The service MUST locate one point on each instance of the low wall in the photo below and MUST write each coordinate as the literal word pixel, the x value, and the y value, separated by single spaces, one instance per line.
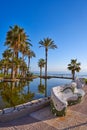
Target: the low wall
pixel 18 111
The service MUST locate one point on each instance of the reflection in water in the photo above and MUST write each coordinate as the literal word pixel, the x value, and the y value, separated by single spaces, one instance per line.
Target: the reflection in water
pixel 13 93
pixel 41 87
pixel 46 87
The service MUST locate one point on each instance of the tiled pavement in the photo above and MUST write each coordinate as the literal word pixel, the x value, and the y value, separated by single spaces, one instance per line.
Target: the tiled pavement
pixel 43 119
pixel 72 120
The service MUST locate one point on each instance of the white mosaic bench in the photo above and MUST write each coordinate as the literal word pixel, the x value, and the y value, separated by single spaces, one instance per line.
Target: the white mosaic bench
pixel 62 96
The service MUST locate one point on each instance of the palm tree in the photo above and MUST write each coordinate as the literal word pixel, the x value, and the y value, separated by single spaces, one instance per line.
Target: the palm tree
pixel 23 68
pixel 47 43
pixel 23 49
pixel 74 66
pixel 1 66
pixel 15 37
pixel 7 57
pixel 5 66
pixel 30 54
pixel 7 54
pixel 41 64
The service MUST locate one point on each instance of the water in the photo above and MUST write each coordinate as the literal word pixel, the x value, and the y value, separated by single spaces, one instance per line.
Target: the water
pixel 15 93
pixel 66 74
pixel 50 83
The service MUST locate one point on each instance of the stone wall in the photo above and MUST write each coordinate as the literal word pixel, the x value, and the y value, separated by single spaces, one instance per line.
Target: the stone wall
pixel 18 111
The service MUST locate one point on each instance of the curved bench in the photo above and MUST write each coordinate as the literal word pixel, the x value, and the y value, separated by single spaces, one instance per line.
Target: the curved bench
pixel 62 96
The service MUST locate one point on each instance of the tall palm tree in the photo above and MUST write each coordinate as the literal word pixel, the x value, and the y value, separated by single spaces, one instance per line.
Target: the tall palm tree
pixel 47 43
pixel 30 54
pixel 41 64
pixel 74 67
pixel 15 37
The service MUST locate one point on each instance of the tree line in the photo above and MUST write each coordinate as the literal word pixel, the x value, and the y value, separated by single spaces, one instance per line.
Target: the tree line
pixel 18 46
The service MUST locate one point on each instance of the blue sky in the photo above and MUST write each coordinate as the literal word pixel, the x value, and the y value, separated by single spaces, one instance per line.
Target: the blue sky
pixel 65 21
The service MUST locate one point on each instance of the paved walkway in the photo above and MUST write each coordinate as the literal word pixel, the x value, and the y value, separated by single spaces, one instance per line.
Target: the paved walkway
pixel 43 119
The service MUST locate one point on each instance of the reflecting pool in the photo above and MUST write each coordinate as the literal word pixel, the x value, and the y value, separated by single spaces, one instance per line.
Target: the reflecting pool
pixel 15 93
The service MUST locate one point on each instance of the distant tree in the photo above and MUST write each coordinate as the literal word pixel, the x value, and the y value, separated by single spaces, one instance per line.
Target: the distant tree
pixel 41 64
pixel 74 67
pixel 47 43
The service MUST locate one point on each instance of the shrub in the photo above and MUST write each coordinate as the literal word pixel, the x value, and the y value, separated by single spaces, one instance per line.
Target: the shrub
pixel 85 81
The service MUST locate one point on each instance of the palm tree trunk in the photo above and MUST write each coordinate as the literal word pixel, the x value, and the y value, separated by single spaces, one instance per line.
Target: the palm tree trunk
pixel 13 68
pixel 5 71
pixel 28 63
pixel 23 73
pixel 46 50
pixel 40 71
pixel 23 57
pixel 73 75
pixel 13 71
pixel 16 69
